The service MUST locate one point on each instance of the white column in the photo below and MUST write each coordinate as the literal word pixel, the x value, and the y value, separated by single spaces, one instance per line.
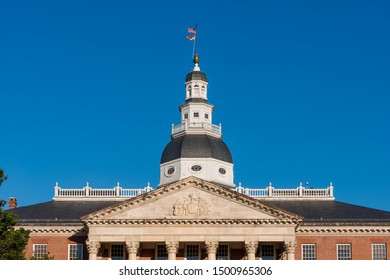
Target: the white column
pixel 93 249
pixel 211 248
pixel 290 249
pixel 251 248
pixel 132 249
pixel 172 248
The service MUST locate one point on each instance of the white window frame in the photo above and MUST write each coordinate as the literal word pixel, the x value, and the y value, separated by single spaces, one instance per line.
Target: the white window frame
pixel 35 251
pixel 312 245
pixel 373 251
pixel 79 251
pixel 350 251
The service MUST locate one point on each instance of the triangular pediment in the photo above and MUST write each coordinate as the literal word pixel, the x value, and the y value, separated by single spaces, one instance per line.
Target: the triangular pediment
pixel 192 199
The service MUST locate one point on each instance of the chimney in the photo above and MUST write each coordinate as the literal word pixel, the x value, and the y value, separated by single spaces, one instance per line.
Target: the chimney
pixel 12 203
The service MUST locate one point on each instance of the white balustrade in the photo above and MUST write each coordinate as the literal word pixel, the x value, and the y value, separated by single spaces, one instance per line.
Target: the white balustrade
pixel 269 193
pixel 196 126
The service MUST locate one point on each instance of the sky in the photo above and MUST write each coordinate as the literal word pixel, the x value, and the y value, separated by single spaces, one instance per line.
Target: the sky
pixel 89 91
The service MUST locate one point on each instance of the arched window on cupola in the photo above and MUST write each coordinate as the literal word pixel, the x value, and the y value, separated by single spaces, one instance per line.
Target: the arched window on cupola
pixel 196 90
pixel 203 91
pixel 189 91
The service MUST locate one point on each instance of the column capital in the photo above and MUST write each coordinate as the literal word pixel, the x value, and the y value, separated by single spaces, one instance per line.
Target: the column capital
pixel 132 247
pixel 93 246
pixel 211 247
pixel 172 247
pixel 290 247
pixel 251 247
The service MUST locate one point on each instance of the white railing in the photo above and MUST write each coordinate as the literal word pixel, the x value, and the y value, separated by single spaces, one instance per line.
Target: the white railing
pixel 89 192
pixel 196 126
pixel 269 193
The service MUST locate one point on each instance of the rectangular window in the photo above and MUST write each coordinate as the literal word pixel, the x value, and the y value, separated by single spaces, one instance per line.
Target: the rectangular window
pixel 196 115
pixel 75 251
pixel 161 252
pixel 379 252
pixel 185 116
pixel 206 116
pixel 223 252
pixel 40 251
pixel 193 252
pixel 117 252
pixel 309 252
pixel 267 252
pixel 344 252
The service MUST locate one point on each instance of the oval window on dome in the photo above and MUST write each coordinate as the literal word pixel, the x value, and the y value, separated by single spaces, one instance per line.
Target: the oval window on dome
pixel 196 168
pixel 169 172
pixel 222 171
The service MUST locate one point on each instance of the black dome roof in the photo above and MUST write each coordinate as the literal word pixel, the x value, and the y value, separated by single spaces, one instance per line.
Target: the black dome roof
pixel 196 146
pixel 196 75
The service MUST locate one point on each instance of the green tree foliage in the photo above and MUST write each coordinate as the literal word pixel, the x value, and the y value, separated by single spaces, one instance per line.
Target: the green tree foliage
pixel 12 241
pixel 3 177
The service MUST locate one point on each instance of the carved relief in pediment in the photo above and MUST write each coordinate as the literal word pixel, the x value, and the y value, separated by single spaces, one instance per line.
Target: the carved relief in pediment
pixel 191 205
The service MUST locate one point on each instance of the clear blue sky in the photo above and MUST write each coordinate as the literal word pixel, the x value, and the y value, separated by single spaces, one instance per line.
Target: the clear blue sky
pixel 89 90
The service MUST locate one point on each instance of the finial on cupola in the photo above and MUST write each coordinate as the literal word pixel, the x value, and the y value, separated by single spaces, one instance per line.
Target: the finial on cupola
pixel 196 62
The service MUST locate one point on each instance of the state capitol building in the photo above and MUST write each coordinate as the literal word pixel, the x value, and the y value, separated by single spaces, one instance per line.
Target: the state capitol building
pixel 197 212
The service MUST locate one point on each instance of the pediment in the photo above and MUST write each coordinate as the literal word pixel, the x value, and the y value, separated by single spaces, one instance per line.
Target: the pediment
pixel 194 199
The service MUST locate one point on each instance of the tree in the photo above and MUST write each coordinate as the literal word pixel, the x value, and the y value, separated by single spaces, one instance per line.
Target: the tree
pixel 12 241
pixel 3 177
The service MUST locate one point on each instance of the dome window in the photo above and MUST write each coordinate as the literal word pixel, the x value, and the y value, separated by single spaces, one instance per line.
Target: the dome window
pixel 196 168
pixel 169 172
pixel 222 171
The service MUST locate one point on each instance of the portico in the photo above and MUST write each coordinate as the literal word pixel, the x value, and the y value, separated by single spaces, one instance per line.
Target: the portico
pixel 192 219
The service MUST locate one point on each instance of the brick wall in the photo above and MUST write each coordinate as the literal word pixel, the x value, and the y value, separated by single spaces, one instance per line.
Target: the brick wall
pixel 57 245
pixel 326 246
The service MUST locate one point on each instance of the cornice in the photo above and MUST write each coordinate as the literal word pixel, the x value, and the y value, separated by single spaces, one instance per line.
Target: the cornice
pixel 207 222
pixel 36 229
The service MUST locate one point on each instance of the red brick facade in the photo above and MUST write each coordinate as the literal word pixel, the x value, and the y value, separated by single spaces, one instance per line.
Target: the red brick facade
pixel 326 246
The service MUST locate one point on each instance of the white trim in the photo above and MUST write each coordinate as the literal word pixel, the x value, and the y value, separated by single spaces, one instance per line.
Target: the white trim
pixel 81 250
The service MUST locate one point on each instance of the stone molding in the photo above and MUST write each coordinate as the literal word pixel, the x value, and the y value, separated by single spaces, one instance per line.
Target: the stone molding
pixel 56 230
pixel 190 222
pixel 338 230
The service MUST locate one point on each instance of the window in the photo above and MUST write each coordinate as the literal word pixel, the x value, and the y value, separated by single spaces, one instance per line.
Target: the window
pixel 344 252
pixel 309 252
pixel 117 252
pixel 161 252
pixel 75 251
pixel 267 252
pixel 223 252
pixel 196 168
pixel 196 115
pixel 222 171
pixel 193 252
pixel 185 116
pixel 206 116
pixel 379 252
pixel 40 251
pixel 170 171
